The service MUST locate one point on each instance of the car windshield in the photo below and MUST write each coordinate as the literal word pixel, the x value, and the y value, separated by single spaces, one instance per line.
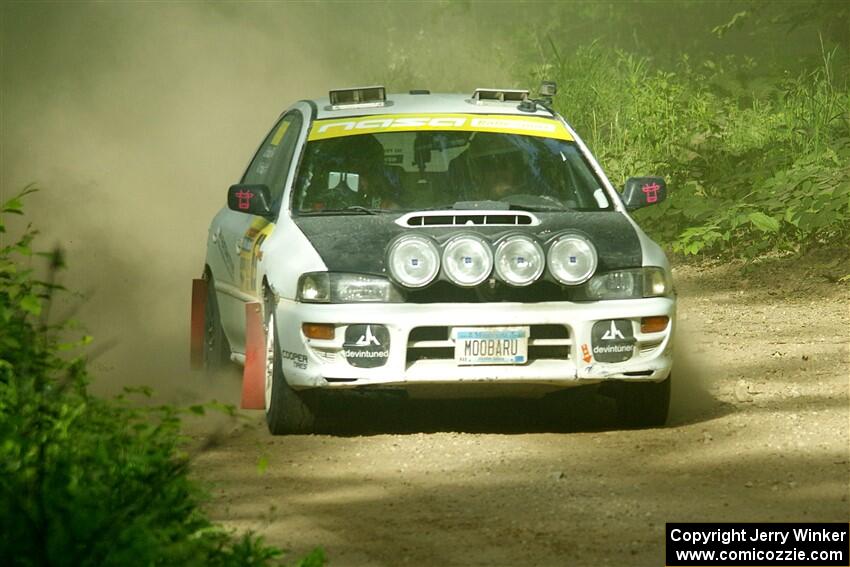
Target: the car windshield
pixel 442 169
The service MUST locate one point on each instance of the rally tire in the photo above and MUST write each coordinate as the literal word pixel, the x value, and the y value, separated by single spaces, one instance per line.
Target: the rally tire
pixel 643 404
pixel 287 411
pixel 216 348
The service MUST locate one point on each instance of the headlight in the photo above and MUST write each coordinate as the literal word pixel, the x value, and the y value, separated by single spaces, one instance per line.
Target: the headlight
pixel 627 284
pixel 519 260
pixel 572 259
pixel 329 287
pixel 656 282
pixel 622 284
pixel 414 261
pixel 467 260
pixel 314 288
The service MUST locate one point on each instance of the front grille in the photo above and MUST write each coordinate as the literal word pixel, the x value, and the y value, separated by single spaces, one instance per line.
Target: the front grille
pixel 549 332
pixel 428 334
pixel 546 342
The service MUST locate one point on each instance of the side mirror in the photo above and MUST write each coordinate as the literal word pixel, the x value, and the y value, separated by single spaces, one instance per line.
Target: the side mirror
pixel 251 199
pixel 643 191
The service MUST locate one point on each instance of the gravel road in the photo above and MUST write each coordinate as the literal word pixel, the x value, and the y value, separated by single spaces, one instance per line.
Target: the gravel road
pixel 759 432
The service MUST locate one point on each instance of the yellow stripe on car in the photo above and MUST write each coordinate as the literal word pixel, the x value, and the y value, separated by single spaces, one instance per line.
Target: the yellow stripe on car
pixel 498 123
pixel 259 230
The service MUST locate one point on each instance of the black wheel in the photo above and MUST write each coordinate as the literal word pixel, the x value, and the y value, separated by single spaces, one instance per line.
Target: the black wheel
pixel 643 404
pixel 287 411
pixel 216 347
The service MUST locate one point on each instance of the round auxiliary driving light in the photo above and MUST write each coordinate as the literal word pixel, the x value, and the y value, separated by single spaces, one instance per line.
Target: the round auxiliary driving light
pixel 519 260
pixel 572 259
pixel 414 261
pixel 467 260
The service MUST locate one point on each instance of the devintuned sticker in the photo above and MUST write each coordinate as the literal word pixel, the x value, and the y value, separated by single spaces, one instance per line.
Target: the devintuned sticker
pixel 613 340
pixel 366 346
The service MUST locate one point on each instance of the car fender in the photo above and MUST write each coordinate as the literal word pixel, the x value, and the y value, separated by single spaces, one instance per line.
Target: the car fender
pixel 284 256
pixel 652 253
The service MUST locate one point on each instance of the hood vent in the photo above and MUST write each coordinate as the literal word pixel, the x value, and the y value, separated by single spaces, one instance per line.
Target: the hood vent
pixel 468 218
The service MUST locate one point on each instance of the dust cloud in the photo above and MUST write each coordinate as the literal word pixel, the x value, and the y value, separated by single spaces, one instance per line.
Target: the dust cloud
pixel 134 118
pixel 694 374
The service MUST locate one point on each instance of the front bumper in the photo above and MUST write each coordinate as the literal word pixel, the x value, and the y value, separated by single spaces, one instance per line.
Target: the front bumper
pixel 562 362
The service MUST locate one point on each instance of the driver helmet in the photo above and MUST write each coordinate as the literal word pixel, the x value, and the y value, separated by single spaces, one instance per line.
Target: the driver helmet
pixel 356 172
pixel 362 154
pixel 495 164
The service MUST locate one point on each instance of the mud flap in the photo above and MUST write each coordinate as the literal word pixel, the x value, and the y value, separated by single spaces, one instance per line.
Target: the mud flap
pixel 254 372
pixel 197 324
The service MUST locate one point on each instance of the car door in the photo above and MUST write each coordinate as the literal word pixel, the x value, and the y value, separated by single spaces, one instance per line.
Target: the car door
pixel 239 235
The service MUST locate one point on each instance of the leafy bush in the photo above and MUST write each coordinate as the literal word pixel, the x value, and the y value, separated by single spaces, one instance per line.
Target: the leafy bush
pixel 755 163
pixel 86 481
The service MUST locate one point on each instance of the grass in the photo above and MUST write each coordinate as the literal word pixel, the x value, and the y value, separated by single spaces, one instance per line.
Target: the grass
pixel 755 163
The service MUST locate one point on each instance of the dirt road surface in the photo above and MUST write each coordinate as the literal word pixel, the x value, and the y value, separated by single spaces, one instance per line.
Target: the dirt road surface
pixel 759 432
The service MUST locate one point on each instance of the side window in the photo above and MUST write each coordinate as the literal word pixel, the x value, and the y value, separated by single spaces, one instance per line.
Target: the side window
pixel 271 164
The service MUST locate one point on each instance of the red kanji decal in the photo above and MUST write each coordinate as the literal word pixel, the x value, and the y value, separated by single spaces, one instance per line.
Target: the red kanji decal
pixel 244 197
pixel 651 190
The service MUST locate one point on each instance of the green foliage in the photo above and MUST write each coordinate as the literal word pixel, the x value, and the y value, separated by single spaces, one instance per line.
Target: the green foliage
pixel 315 558
pixel 87 481
pixel 754 163
pixel 830 17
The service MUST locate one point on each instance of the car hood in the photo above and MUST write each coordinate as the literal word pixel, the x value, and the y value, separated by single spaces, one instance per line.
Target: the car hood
pixel 358 243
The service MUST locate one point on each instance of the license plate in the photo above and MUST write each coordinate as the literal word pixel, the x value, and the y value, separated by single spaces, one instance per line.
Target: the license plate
pixel 490 345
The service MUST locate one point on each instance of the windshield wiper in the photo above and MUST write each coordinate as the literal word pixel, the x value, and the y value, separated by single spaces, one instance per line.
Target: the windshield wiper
pixel 353 209
pixel 500 206
pixel 538 208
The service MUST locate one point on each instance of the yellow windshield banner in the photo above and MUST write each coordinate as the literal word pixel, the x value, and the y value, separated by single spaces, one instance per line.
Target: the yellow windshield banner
pixel 499 123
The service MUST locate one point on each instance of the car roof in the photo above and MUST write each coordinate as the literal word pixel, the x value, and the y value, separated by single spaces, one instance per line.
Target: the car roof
pixel 441 103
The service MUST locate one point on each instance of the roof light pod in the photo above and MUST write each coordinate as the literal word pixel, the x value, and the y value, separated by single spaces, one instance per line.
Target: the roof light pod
pixel 357 97
pixel 467 260
pixel 519 260
pixel 414 261
pixel 572 259
pixel 501 95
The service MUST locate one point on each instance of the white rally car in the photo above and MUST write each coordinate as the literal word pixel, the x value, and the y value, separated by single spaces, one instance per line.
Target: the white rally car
pixel 436 244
